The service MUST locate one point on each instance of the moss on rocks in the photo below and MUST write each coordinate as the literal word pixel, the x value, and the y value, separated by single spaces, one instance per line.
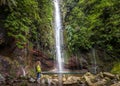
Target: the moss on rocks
pixel 116 68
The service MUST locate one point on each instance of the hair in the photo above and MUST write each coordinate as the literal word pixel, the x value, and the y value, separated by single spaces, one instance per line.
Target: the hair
pixel 38 63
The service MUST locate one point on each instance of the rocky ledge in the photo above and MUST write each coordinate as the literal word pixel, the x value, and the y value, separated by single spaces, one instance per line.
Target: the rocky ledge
pixel 87 79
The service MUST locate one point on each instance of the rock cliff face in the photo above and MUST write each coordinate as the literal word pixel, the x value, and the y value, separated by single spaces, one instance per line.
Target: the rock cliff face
pixel 46 62
pixel 5 65
pixel 25 56
pixel 75 63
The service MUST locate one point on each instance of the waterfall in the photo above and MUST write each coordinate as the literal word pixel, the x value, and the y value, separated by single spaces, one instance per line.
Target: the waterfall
pixel 59 40
pixel 58 36
pixel 94 61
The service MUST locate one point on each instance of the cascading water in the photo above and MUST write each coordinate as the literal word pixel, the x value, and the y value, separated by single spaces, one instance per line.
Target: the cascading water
pixel 94 61
pixel 58 39
pixel 58 29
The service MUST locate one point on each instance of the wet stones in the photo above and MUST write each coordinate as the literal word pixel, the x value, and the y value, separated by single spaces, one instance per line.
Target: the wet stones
pixel 107 74
pixel 87 79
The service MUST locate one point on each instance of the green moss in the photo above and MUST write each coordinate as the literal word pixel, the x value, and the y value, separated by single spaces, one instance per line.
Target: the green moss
pixel 116 68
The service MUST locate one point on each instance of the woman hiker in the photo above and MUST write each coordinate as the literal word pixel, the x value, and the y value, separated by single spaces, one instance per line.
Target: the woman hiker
pixel 38 70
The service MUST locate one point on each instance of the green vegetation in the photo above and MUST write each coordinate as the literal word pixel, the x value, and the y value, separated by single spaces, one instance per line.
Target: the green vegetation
pixel 92 23
pixel 116 68
pixel 88 24
pixel 20 23
pixel 28 21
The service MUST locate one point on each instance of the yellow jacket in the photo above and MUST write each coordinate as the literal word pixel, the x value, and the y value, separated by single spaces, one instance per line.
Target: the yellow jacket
pixel 38 68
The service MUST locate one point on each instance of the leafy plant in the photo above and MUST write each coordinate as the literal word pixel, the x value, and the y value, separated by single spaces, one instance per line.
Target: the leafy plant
pixel 95 23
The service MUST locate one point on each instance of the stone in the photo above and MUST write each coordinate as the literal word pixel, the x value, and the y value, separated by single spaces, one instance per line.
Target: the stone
pixel 117 77
pixel 46 76
pixel 91 76
pixel 71 80
pixel 67 83
pixel 107 74
pixel 116 84
pixel 75 78
pixel 55 80
pixel 32 80
pixel 64 79
pixel 55 75
pixel 101 74
pixel 49 81
pixel 101 82
pixel 53 83
pixel 88 81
